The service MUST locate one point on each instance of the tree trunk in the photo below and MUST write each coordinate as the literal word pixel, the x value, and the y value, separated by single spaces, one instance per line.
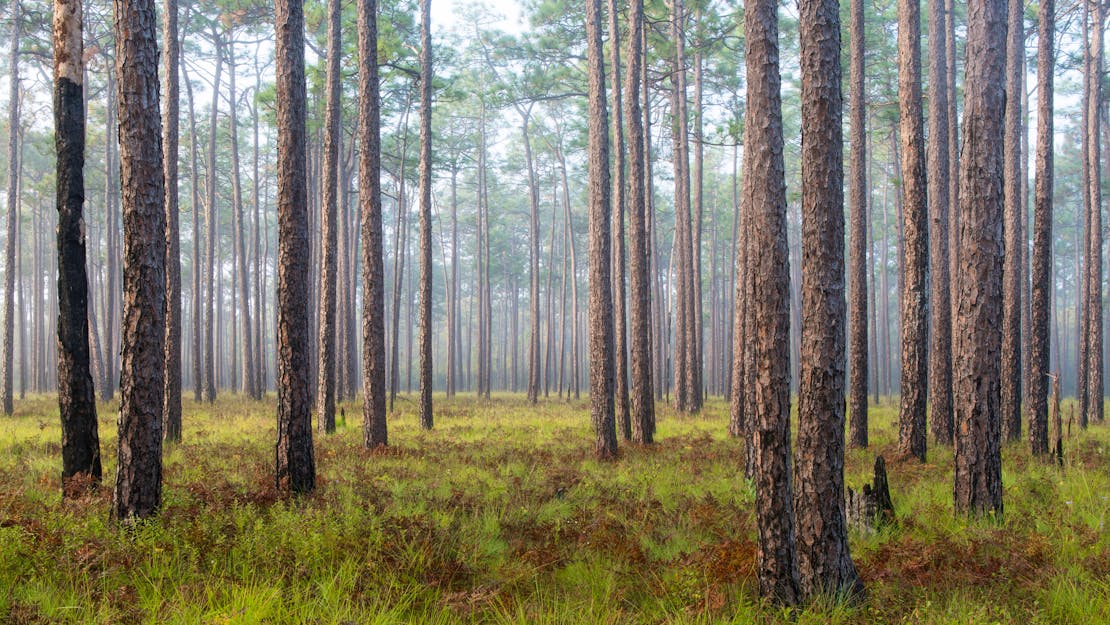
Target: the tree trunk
pixel 240 250
pixel 172 408
pixel 198 260
pixel 769 308
pixel 1041 266
pixel 426 215
pixel 138 492
pixel 76 393
pixel 620 316
pixel 978 478
pixel 1012 229
pixel 940 351
pixel 1094 230
pixel 684 342
pixel 641 399
pixel 857 241
pixel 370 209
pixel 915 228
pixel 824 564
pixel 326 366
pixel 8 363
pixel 296 468
pixel 210 241
pixel 601 295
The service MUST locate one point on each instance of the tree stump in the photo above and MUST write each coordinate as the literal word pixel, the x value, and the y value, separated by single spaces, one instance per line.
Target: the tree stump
pixel 871 508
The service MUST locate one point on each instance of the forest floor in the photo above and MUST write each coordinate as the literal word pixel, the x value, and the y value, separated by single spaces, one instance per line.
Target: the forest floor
pixel 501 515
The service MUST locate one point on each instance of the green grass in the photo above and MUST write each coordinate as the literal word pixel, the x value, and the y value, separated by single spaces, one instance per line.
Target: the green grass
pixel 501 515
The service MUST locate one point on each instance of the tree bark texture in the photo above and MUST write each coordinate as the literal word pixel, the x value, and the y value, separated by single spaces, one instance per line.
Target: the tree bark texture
pixel 76 392
pixel 426 215
pixel 940 350
pixel 370 216
pixel 857 240
pixel 138 492
pixel 295 465
pixel 326 365
pixel 769 308
pixel 172 408
pixel 641 396
pixel 1012 230
pixel 915 229
pixel 1041 265
pixel 601 291
pixel 978 475
pixel 824 563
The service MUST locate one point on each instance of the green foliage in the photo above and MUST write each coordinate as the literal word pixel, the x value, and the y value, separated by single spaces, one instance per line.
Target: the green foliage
pixel 502 515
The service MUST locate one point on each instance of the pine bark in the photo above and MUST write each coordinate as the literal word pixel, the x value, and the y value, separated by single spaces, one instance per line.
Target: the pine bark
pixel 426 419
pixel 8 364
pixel 601 291
pixel 978 475
pixel 1012 230
pixel 641 396
pixel 620 313
pixel 769 311
pixel 824 563
pixel 1041 265
pixel 295 465
pixel 1094 230
pixel 915 229
pixel 370 215
pixel 940 351
pixel 172 408
pixel 326 366
pixel 210 238
pixel 76 393
pixel 857 241
pixel 138 492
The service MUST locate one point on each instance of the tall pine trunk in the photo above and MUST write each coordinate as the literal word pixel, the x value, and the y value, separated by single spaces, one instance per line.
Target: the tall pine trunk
pixel 1012 229
pixel 76 393
pixel 915 229
pixel 295 465
pixel 769 309
pixel 1041 266
pixel 326 366
pixel 601 293
pixel 370 215
pixel 978 475
pixel 824 564
pixel 940 351
pixel 138 492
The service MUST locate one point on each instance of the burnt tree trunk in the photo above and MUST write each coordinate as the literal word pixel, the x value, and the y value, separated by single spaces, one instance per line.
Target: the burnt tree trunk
pixel 76 393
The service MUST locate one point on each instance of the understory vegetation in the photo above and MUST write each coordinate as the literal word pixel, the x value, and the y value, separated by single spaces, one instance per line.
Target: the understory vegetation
pixel 502 515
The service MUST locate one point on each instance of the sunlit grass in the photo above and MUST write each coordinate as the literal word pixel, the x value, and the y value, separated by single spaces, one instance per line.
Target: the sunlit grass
pixel 501 515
